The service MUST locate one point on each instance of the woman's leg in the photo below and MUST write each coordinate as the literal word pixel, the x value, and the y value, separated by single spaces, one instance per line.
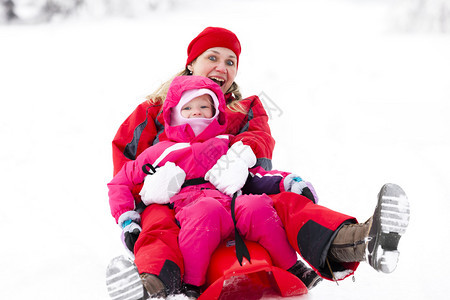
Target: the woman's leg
pixel 376 240
pixel 334 242
pixel 310 229
pixel 156 250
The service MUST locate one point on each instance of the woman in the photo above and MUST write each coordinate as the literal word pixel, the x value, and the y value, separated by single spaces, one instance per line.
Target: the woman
pixel 331 242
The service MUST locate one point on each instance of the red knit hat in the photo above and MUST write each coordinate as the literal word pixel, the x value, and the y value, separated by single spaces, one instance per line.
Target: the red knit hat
pixel 212 37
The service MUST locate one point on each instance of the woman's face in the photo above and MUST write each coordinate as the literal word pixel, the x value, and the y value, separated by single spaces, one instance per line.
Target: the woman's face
pixel 218 64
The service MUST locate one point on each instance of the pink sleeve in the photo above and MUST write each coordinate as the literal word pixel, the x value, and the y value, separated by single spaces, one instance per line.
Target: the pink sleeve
pixel 121 198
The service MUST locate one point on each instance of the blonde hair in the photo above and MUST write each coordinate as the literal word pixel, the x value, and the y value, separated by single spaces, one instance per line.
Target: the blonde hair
pixel 159 95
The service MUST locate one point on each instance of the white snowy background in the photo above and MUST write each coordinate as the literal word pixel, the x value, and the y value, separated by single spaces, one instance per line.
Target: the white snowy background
pixel 356 100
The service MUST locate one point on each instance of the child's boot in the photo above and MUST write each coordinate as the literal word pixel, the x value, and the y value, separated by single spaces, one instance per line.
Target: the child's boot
pixel 191 291
pixel 307 275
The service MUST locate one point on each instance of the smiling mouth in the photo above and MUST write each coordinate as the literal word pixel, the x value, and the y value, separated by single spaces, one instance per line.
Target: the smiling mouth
pixel 219 81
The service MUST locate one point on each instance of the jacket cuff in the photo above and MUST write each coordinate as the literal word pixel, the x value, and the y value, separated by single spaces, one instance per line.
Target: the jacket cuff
pixel 289 186
pixel 129 215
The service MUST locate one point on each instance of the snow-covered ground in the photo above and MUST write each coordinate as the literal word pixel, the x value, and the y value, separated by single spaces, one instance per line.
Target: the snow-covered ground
pixel 354 103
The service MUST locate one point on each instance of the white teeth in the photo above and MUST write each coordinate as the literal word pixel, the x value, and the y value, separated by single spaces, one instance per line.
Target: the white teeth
pixel 218 79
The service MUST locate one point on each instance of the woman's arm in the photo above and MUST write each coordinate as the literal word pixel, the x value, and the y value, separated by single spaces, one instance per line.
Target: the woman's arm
pixel 274 182
pixel 136 134
pixel 253 130
pixel 268 182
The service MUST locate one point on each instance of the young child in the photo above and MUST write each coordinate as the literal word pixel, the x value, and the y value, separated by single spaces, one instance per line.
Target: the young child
pixel 193 144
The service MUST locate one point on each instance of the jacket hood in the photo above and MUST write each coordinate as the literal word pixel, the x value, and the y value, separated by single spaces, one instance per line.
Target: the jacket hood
pixel 184 132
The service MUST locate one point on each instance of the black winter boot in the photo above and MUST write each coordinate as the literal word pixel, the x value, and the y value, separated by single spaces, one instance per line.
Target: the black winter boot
pixel 307 275
pixel 191 291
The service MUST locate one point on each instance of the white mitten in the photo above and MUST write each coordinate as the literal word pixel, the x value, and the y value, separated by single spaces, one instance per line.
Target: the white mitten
pixel 243 152
pixel 163 184
pixel 230 172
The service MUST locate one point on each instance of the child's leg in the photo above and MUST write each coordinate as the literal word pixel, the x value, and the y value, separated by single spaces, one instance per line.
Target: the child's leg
pixel 258 221
pixel 204 224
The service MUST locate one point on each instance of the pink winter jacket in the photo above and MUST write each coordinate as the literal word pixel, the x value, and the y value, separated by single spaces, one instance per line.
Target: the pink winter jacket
pixel 203 152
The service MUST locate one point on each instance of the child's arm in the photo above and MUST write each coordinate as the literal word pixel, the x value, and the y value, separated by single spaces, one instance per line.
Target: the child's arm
pixel 133 178
pixel 122 205
pixel 121 199
pixel 123 188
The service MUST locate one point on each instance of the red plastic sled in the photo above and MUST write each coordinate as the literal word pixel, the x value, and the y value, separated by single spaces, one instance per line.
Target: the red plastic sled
pixel 226 279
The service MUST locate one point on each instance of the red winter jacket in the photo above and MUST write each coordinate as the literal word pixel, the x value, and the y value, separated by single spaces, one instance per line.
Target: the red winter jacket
pixel 145 127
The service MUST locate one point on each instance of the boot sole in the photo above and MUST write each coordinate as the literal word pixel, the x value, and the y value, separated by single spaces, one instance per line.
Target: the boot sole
pixel 390 220
pixel 123 281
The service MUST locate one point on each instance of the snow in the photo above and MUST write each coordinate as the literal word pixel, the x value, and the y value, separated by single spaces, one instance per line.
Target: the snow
pixel 354 102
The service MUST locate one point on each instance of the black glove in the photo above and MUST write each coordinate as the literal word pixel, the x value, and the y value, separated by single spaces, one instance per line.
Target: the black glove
pixel 129 222
pixel 130 234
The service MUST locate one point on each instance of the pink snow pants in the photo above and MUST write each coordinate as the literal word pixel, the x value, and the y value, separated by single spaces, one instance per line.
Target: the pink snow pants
pixel 205 221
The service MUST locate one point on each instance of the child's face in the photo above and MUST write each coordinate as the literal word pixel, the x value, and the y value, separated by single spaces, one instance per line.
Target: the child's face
pixel 199 107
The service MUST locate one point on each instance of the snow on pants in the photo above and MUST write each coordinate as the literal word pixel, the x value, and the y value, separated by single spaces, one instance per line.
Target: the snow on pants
pixel 310 229
pixel 207 221
pixel 156 250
